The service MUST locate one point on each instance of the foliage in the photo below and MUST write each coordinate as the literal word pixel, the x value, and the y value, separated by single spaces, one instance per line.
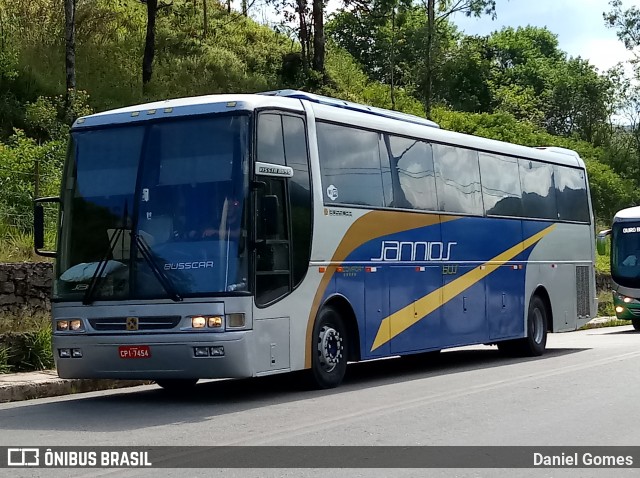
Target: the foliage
pixel 36 353
pixel 4 359
pixel 514 85
pixel 603 264
pixel 626 22
pixel 28 351
pixel 18 159
pixel 607 323
pixel 49 118
pixel 25 342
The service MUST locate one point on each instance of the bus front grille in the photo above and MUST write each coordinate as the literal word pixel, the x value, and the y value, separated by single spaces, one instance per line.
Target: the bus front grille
pixel 143 323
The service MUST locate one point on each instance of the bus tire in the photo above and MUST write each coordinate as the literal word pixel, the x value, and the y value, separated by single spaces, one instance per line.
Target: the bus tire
pixel 636 323
pixel 329 349
pixel 534 344
pixel 177 385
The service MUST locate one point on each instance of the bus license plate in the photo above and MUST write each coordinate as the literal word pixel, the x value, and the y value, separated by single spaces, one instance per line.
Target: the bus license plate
pixel 134 351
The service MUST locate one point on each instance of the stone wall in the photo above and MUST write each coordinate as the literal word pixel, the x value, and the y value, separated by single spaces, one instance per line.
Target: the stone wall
pixel 25 286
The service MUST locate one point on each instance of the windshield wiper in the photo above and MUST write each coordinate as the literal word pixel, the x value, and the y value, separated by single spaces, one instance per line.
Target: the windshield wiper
pixel 164 280
pixel 100 268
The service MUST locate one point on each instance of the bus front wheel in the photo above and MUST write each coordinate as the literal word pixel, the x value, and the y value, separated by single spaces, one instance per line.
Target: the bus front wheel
pixel 535 342
pixel 636 323
pixel 329 349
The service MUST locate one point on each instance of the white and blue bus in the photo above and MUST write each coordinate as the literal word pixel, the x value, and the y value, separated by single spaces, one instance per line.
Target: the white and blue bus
pixel 247 235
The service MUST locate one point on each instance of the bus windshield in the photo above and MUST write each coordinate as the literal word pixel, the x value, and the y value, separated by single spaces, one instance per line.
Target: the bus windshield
pixel 625 254
pixel 155 210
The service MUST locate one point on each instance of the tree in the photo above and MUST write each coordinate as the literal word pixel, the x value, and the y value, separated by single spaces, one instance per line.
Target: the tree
pixel 153 7
pixel 70 45
pixel 465 79
pixel 626 22
pixel 446 8
pixel 318 36
pixel 150 42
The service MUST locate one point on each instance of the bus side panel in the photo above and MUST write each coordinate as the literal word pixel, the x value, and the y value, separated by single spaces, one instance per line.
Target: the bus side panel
pixel 505 286
pixel 408 284
pixel 470 243
pixel 376 300
pixel 464 320
pixel 552 265
pixel 350 284
pixel 505 301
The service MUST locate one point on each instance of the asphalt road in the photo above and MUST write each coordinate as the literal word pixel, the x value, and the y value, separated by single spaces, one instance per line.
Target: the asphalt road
pixel 583 391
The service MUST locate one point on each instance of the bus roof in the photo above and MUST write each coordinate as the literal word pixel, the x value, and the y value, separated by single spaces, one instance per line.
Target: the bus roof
pixel 349 105
pixel 194 105
pixel 627 215
pixel 328 109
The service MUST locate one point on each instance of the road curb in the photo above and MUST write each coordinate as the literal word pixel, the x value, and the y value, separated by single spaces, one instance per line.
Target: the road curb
pixel 14 392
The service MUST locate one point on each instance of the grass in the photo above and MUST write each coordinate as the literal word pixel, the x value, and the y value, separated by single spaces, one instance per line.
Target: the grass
pixel 603 265
pixel 605 304
pixel 17 246
pixel 609 323
pixel 25 343
pixel 4 359
pixel 24 322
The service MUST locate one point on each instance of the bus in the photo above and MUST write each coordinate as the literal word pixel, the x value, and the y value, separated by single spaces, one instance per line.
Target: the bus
pixel 248 235
pixel 625 263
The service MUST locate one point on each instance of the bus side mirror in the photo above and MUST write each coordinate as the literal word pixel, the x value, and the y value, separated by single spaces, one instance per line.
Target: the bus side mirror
pixel 602 243
pixel 38 226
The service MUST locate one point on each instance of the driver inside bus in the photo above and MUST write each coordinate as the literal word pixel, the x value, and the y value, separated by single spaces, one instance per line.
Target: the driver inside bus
pixel 229 227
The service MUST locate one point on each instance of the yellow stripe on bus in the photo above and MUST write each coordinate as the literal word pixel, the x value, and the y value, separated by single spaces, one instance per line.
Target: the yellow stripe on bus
pixel 370 226
pixel 401 320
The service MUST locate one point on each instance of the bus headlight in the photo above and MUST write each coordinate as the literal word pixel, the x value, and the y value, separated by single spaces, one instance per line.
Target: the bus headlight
pixel 209 321
pixel 619 309
pixel 626 300
pixel 70 325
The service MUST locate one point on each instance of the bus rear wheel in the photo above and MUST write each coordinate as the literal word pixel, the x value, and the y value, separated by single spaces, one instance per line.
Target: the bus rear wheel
pixel 534 344
pixel 329 349
pixel 177 385
pixel 636 323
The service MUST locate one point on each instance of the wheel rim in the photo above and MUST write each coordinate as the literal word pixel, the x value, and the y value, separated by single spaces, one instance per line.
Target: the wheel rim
pixel 538 326
pixel 329 348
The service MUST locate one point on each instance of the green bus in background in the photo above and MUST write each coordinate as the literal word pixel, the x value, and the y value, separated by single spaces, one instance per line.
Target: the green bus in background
pixel 625 263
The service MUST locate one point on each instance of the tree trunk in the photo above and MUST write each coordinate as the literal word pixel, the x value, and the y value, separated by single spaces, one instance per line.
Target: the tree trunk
pixel 393 58
pixel 70 45
pixel 244 7
pixel 318 36
pixel 150 43
pixel 228 6
pixel 205 19
pixel 304 40
pixel 431 15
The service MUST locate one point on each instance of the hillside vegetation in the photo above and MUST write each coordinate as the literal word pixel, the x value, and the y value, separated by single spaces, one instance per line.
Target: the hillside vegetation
pixel 514 85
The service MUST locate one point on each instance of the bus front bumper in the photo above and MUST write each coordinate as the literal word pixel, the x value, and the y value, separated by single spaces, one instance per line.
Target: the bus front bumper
pixel 153 356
